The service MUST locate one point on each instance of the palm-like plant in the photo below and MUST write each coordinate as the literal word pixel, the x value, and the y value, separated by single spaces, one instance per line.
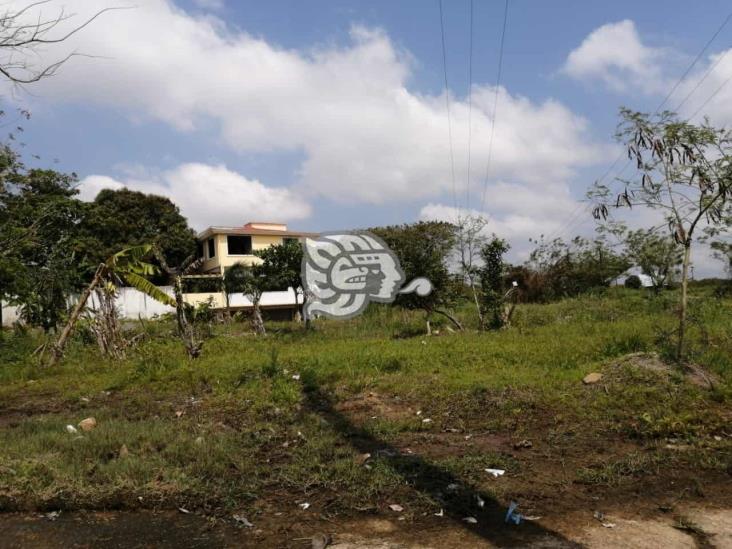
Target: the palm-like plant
pixel 128 266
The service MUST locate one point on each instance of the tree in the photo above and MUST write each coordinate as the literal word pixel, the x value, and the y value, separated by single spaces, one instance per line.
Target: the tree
pixel 122 218
pixel 684 172
pixel 424 249
pixel 658 256
pixel 491 283
pixel 282 264
pixel 39 215
pixel 254 283
pixel 470 240
pixel 721 239
pixel 127 266
pixel 557 269
pixel 234 282
pixel 186 329
pixel 23 33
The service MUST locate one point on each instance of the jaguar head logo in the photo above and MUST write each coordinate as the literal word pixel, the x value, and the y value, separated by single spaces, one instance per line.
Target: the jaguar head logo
pixel 343 272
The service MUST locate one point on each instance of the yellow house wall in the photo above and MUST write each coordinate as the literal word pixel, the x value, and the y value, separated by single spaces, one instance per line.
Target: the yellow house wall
pixel 224 260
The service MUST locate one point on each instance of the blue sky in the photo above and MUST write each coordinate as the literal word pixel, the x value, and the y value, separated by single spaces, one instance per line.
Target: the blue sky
pixel 331 114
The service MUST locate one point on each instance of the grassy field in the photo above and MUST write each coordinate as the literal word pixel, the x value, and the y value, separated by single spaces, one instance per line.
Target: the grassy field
pixel 260 425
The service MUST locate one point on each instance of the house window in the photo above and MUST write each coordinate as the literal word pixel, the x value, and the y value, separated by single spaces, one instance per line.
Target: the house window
pixel 239 245
pixel 199 250
pixel 287 239
pixel 211 248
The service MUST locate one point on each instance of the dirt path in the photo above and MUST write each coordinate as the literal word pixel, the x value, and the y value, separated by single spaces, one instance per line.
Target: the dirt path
pixel 704 528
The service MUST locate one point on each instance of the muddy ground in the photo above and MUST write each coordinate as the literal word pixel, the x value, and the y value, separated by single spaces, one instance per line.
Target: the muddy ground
pixel 667 507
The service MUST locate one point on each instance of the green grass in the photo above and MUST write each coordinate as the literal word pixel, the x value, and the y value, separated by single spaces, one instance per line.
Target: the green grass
pixel 248 431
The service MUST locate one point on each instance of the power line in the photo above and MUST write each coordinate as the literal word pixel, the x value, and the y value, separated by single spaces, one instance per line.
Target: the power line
pixel 495 106
pixel 701 81
pixel 675 86
pixel 722 85
pixel 696 59
pixel 470 110
pixel 447 106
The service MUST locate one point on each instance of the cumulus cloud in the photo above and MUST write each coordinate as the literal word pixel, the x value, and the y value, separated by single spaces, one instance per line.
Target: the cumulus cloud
pixel 363 134
pixel 707 91
pixel 615 55
pixel 518 213
pixel 209 195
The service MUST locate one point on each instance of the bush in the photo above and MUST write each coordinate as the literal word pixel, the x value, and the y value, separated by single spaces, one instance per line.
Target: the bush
pixel 633 282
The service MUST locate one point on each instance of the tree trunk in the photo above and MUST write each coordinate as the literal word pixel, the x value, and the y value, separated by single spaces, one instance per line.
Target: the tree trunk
pixel 477 304
pixel 684 299
pixel 305 315
pixel 257 321
pixel 58 348
pixel 185 329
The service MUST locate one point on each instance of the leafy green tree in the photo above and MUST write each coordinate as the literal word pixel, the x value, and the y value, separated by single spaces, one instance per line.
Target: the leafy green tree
pixel 255 282
pixel 491 282
pixel 657 255
pixel 424 249
pixel 282 264
pixel 235 278
pixel 684 171
pixel 721 239
pixel 558 269
pixel 38 227
pixel 123 218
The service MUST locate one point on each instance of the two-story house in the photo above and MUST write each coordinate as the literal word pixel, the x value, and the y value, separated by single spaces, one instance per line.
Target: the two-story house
pixel 221 247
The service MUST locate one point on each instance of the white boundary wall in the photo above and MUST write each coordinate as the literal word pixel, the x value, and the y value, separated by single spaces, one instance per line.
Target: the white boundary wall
pixel 133 304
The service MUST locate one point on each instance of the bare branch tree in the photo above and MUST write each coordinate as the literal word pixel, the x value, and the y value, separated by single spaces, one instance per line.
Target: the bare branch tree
pixel 23 32
pixel 470 239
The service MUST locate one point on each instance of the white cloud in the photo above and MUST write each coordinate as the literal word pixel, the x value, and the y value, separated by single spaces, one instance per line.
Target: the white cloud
pixel 210 195
pixel 364 135
pixel 518 213
pixel 615 55
pixel 713 96
pixel 209 4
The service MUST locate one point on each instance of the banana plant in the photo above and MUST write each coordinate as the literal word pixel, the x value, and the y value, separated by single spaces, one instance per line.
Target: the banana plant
pixel 129 267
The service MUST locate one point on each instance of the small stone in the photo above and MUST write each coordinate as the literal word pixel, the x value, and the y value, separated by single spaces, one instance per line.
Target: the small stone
pixel 594 377
pixel 321 541
pixel 123 451
pixel 396 508
pixel 523 444
pixel 71 429
pixel 88 424
pixel 242 520
pixel 362 458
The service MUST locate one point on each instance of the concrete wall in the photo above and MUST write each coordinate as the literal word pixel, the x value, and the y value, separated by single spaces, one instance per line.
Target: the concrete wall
pixel 132 303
